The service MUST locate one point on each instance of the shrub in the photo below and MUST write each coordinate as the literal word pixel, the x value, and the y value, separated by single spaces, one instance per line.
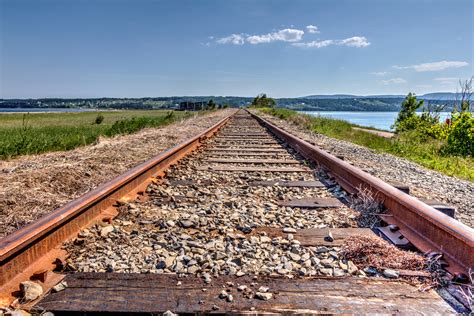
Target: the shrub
pixel 99 119
pixel 408 124
pixel 262 101
pixel 460 140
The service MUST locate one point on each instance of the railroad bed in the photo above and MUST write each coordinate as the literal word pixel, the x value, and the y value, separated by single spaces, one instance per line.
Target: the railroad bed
pixel 243 223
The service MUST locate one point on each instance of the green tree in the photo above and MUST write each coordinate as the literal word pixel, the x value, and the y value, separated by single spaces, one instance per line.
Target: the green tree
pixel 407 118
pixel 262 101
pixel 211 105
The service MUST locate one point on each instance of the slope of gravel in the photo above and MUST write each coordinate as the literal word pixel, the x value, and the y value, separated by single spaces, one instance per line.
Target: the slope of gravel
pixel 32 186
pixel 424 183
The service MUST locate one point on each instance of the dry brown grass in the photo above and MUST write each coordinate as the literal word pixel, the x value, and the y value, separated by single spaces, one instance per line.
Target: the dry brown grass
pixel 32 186
pixel 467 291
pixel 368 207
pixel 375 252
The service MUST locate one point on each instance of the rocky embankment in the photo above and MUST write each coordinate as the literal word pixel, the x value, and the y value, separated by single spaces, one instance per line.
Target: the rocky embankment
pixel 424 183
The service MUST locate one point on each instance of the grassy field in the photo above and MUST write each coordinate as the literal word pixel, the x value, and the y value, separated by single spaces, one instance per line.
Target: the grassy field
pixel 404 145
pixel 35 133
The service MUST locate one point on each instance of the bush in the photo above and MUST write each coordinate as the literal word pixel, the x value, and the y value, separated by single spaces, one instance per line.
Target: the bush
pixel 460 140
pixel 99 119
pixel 409 123
pixel 262 101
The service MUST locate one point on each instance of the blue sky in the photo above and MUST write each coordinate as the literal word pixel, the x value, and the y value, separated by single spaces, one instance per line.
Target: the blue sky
pixel 95 48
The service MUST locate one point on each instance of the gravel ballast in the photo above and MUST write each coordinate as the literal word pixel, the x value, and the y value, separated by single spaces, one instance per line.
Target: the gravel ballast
pixel 208 224
pixel 424 183
pixel 32 186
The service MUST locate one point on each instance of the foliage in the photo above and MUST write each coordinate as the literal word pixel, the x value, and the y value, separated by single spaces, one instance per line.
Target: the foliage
pixel 460 140
pixel 262 101
pixel 424 150
pixel 406 117
pixel 211 105
pixel 99 119
pixel 456 135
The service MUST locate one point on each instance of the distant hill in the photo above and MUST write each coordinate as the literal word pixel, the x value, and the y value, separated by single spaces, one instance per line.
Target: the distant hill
pixel 341 104
pixel 439 96
pixel 330 96
pixel 351 96
pixel 336 102
pixel 448 96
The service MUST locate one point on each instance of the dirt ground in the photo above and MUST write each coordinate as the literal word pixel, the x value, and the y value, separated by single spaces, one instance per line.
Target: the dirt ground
pixel 32 186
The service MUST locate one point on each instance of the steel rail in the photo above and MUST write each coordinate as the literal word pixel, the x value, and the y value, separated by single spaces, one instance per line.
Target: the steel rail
pixel 425 227
pixel 35 247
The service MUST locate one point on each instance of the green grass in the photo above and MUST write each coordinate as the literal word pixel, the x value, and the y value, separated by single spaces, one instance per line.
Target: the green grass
pixel 406 145
pixel 22 134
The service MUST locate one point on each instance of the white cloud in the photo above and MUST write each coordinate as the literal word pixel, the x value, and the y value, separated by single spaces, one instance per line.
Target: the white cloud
pixel 236 39
pixel 312 29
pixel 446 79
pixel 285 35
pixel 394 81
pixel 356 41
pixel 380 73
pixel 440 65
pixel 316 44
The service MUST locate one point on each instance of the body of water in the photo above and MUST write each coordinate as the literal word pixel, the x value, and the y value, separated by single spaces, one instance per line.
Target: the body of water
pixel 379 120
pixel 39 110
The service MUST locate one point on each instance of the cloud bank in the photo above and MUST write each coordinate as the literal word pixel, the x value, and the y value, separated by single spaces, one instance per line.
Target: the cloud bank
pixel 293 36
pixel 285 35
pixel 439 65
pixel 356 41
pixel 235 39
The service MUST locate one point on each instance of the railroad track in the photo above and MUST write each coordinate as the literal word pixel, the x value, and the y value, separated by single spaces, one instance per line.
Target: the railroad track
pixel 242 218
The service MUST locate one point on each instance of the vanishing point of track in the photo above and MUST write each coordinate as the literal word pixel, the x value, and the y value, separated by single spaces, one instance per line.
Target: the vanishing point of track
pixel 246 160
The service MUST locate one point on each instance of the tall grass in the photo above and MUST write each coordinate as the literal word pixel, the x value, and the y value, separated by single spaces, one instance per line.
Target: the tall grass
pixel 34 135
pixel 406 145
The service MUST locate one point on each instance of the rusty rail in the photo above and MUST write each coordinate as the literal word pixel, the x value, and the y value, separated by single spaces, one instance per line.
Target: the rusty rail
pixel 33 249
pixel 425 227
